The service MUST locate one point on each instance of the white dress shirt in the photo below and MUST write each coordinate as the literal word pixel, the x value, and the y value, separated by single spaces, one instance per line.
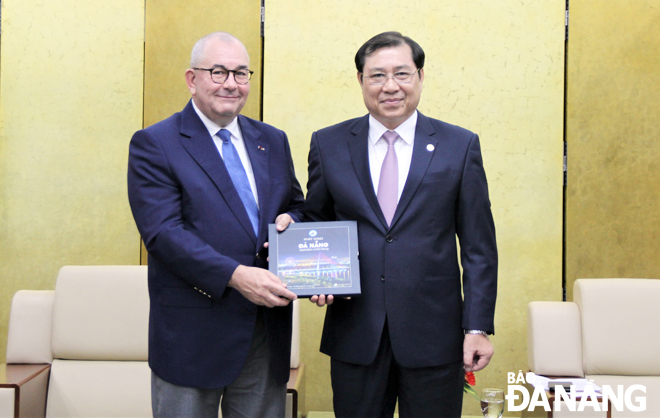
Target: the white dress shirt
pixel 237 140
pixel 403 146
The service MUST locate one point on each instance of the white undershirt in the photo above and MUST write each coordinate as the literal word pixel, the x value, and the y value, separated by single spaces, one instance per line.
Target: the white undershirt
pixel 403 147
pixel 236 139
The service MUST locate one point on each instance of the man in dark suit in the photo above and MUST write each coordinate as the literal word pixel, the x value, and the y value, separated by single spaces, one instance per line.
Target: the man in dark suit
pixel 413 184
pixel 203 186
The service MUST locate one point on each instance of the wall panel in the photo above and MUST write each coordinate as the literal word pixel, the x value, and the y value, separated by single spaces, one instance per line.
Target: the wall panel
pixel 70 98
pixel 612 202
pixel 496 68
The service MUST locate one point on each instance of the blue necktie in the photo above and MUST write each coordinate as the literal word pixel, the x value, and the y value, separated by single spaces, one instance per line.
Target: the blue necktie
pixel 239 177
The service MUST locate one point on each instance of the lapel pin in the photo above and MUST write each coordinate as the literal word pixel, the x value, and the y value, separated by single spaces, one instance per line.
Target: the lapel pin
pixel 430 147
pixel 261 148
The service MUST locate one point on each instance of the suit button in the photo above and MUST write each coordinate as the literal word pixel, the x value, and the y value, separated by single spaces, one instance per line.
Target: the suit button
pixel 258 256
pixel 389 238
pixel 382 278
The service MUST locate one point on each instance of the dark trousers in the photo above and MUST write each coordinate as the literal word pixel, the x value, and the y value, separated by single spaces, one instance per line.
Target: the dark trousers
pixel 372 391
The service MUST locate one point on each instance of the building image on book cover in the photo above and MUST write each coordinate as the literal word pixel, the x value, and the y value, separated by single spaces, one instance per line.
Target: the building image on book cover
pixel 315 258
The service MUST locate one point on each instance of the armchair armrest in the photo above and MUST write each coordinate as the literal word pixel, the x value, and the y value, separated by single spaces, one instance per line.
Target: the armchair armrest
pixel 29 384
pixel 295 396
pixel 30 325
pixel 554 339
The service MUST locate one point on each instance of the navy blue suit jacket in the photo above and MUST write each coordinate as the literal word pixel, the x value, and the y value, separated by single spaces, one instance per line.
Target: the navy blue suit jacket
pixel 409 272
pixel 197 232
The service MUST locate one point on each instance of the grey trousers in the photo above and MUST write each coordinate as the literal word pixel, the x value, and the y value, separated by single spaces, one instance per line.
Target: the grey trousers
pixel 254 394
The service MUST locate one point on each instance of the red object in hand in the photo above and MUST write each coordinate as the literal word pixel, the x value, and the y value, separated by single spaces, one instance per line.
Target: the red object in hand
pixel 470 379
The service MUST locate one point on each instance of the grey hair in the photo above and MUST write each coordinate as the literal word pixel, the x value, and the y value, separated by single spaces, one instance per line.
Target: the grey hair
pixel 197 54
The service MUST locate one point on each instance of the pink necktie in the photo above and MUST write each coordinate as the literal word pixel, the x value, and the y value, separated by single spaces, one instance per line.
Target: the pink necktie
pixel 388 185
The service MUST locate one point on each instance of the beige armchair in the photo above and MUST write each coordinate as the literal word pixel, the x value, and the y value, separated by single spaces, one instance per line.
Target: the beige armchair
pixel 610 334
pixel 81 350
pixel 23 386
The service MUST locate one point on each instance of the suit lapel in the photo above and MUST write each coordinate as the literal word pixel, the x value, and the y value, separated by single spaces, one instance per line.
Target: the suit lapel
pixel 424 147
pixel 199 144
pixel 359 149
pixel 258 151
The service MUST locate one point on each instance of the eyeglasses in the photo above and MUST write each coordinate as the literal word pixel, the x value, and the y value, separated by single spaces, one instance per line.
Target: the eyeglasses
pixel 220 74
pixel 400 77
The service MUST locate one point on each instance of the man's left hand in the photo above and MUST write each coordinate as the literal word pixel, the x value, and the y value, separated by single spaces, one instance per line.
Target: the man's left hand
pixel 281 223
pixel 477 352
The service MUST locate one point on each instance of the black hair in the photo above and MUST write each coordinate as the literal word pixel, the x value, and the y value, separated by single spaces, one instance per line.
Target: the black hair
pixel 388 40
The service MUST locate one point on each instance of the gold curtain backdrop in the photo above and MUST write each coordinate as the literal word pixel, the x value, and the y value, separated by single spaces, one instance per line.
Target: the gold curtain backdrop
pixel 71 90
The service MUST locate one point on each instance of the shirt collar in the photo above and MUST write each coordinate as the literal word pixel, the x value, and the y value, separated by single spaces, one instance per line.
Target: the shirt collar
pixel 213 127
pixel 406 130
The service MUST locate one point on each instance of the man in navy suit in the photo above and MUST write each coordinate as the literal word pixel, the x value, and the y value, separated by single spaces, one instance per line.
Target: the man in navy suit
pixel 203 186
pixel 413 184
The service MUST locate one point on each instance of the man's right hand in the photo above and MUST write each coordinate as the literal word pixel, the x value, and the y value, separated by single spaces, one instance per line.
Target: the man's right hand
pixel 322 300
pixel 260 286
